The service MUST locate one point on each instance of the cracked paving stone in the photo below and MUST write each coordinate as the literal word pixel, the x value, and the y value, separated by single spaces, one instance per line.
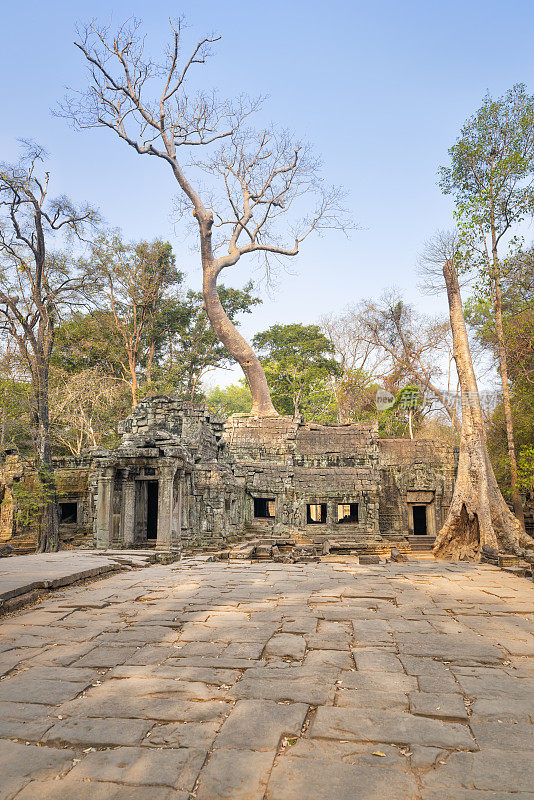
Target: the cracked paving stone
pixel 177 768
pixel 391 727
pixel 260 724
pixel 24 689
pixel 200 735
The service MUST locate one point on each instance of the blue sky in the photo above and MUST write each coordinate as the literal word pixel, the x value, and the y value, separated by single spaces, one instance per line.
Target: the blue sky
pixel 380 90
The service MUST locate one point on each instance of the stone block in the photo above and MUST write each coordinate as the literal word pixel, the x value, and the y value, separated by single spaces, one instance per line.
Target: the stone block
pixel 98 732
pixel 260 724
pixel 314 779
pixel 440 706
pixel 235 775
pixel 390 727
pixel 177 769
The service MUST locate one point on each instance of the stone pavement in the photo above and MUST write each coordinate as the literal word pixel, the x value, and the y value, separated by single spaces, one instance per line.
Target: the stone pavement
pixel 20 576
pixel 240 681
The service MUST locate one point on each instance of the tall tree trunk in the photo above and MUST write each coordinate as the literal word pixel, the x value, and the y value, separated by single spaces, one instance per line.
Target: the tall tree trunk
pixel 133 380
pixel 48 538
pixel 226 332
pixel 507 406
pixel 479 521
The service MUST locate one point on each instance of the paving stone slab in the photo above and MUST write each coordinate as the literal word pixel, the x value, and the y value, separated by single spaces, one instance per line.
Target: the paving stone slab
pixel 23 689
pixel 69 789
pixel 297 690
pixel 260 724
pixel 235 775
pixel 299 778
pixel 99 732
pixel 199 735
pixel 285 645
pixel 29 761
pixel 439 706
pixel 167 710
pixel 503 736
pixel 489 770
pixel 389 727
pixel 377 681
pixel 177 768
pixel 377 661
pixel 356 698
pixel 452 648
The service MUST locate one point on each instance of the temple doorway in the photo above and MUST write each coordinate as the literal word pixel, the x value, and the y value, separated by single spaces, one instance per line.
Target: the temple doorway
pixel 152 511
pixel 419 521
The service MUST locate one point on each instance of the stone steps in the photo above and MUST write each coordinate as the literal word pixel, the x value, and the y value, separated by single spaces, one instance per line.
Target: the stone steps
pixel 421 543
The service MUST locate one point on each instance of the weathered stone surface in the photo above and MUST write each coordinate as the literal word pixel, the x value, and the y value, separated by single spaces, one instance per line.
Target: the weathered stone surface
pixel 260 724
pixel 460 649
pixel 503 736
pixel 235 775
pixel 439 706
pixel 356 698
pixel 377 661
pixel 165 701
pixel 139 766
pixel 489 770
pixel 23 689
pixel 97 731
pixel 297 690
pixel 298 778
pixel 69 789
pixel 391 727
pixel 25 761
pixel 285 645
pixel 377 681
pixel 199 735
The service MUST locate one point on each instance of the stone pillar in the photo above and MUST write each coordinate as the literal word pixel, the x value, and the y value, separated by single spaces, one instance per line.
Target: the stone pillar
pixel 128 512
pixel 104 509
pixel 167 529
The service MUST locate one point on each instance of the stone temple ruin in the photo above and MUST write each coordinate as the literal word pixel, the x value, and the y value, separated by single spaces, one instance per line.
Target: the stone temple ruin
pixel 184 480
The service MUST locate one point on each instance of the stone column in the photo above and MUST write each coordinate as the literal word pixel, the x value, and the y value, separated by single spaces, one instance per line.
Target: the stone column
pixel 128 512
pixel 104 509
pixel 165 539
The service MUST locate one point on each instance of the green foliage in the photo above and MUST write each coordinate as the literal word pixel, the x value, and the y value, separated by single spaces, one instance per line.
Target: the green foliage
pixel 525 466
pixel 518 327
pixel 491 175
pixel 300 368
pixel 233 399
pixel 30 496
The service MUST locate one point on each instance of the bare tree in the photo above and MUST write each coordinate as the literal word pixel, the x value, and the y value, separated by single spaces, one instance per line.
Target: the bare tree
pixel 35 284
pixel 479 521
pixel 388 339
pixel 262 184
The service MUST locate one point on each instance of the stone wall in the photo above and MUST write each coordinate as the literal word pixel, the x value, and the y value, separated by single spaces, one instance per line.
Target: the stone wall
pixel 414 472
pixel 17 525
